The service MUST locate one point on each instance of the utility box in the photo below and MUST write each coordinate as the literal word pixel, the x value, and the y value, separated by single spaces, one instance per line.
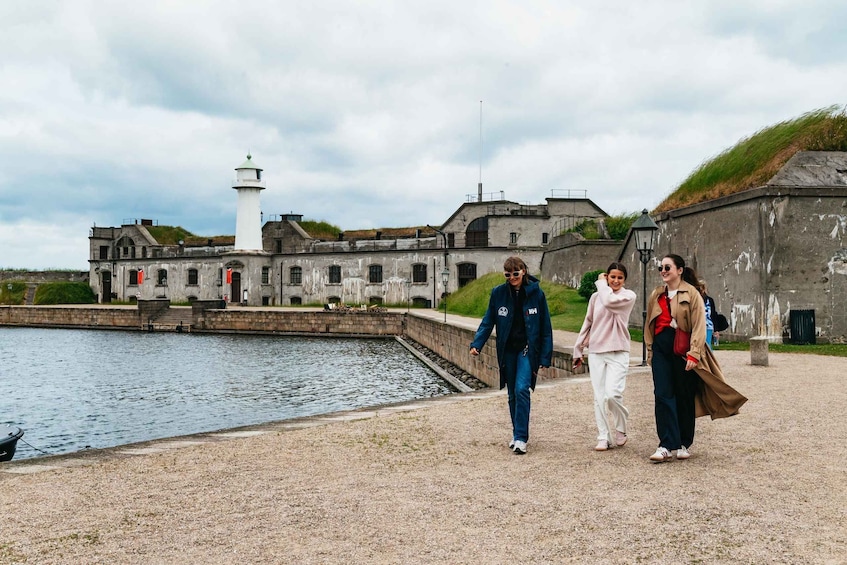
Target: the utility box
pixel 801 324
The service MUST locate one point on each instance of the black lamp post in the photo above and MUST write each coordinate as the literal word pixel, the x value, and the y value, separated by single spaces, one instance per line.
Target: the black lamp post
pixel 644 229
pixel 445 278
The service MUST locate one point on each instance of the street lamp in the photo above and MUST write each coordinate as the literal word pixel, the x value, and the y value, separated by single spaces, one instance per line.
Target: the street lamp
pixel 445 277
pixel 644 229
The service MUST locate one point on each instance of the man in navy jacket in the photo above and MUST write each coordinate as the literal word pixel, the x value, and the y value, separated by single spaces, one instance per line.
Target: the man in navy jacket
pixel 518 309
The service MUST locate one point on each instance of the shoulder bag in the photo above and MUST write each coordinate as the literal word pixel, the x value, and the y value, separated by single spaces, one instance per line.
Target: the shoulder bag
pixel 681 339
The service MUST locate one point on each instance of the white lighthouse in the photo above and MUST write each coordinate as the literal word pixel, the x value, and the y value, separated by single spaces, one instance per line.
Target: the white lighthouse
pixel 248 220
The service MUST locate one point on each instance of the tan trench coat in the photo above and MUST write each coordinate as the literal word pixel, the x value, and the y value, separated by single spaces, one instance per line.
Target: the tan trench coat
pixel 715 397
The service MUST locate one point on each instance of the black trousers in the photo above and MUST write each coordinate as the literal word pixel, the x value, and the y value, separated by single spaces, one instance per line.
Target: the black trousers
pixel 674 389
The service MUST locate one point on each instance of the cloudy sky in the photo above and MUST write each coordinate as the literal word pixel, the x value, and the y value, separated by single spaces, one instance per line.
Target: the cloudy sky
pixel 377 113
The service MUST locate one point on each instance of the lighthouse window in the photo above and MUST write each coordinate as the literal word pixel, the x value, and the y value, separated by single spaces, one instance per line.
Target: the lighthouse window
pixel 258 174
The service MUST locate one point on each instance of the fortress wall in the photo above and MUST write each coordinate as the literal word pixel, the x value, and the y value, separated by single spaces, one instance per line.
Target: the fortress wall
pixel 116 317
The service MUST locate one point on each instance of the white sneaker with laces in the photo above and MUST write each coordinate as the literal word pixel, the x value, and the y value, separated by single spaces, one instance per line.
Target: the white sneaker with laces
pixel 520 447
pixel 682 453
pixel 512 444
pixel 661 455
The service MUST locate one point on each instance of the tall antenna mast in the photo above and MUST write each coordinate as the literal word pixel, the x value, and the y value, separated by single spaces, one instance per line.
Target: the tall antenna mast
pixel 479 188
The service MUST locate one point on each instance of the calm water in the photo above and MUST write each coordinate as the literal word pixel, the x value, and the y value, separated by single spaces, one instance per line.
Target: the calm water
pixel 72 389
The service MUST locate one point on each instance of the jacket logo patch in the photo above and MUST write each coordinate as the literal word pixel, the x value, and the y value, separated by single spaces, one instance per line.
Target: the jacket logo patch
pixel 503 311
pixel 532 311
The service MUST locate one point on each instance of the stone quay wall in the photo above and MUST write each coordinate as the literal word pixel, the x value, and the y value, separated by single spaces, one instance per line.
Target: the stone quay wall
pixel 114 318
pixel 300 322
pixel 452 343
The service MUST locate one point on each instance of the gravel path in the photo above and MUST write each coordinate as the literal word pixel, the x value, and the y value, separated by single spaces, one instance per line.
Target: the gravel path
pixel 435 483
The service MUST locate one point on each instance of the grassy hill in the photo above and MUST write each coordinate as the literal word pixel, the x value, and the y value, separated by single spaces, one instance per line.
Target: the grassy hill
pixel 754 160
pixel 567 307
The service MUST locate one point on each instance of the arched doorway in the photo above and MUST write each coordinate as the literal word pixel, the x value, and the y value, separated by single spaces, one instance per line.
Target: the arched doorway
pixel 235 296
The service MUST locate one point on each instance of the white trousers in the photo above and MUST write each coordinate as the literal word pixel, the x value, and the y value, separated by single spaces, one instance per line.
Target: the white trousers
pixel 608 377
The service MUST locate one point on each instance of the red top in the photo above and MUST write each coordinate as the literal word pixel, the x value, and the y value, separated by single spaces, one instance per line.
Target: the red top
pixel 663 320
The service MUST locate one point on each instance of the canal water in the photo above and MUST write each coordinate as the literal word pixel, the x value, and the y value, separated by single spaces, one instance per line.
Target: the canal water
pixel 76 389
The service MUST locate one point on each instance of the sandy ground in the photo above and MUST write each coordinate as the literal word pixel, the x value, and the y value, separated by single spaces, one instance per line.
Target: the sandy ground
pixel 433 482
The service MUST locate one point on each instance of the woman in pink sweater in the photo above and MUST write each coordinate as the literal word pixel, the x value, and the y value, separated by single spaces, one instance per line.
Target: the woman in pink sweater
pixel 606 324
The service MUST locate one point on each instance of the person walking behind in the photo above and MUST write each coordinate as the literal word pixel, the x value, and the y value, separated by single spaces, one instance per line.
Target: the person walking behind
pixel 606 325
pixel 518 309
pixel 685 386
pixel 711 311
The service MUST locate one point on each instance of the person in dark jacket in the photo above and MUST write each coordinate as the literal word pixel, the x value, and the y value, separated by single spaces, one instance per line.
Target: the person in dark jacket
pixel 518 309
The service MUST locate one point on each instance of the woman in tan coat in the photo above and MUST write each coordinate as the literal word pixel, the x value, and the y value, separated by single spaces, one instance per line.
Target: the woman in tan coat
pixel 689 386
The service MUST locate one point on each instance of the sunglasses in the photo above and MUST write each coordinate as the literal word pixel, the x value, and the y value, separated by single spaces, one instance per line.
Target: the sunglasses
pixel 514 275
pixel 665 268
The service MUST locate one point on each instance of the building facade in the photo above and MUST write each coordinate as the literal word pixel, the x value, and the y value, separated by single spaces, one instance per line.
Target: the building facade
pixel 279 263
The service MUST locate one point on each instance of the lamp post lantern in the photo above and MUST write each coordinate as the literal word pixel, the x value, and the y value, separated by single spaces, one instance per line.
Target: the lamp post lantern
pixel 644 229
pixel 445 278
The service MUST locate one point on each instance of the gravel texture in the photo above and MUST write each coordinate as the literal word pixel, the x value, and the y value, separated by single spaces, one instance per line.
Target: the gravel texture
pixel 437 484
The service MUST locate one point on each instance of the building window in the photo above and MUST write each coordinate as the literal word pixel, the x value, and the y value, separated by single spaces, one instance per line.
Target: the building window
pixel 295 276
pixel 266 301
pixel 545 238
pixel 375 300
pixel 419 273
pixel 104 252
pixel 162 277
pixel 375 274
pixel 334 300
pixel 277 246
pixel 513 238
pixel 467 273
pixel 220 280
pixel 143 252
pixel 334 274
pixel 133 277
pixel 477 233
pixel 266 275
pixel 296 300
pixel 193 278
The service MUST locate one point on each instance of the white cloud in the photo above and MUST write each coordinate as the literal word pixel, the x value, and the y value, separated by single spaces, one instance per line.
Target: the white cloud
pixel 368 114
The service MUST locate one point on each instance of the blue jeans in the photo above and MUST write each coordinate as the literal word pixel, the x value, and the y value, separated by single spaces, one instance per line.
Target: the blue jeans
pixel 518 380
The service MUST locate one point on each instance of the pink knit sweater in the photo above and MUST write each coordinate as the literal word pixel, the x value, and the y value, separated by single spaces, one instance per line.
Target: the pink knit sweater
pixel 606 321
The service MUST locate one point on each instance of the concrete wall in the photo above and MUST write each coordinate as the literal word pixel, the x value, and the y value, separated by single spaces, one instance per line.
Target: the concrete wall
pixel 572 256
pixel 762 253
pixel 452 343
pixel 38 277
pixel 302 322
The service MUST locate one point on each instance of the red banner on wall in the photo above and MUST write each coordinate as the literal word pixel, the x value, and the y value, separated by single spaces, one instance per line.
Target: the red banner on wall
pixel 140 276
pixel 229 276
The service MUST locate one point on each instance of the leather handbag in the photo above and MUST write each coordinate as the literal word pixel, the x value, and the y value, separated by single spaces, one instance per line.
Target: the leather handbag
pixel 681 339
pixel 681 343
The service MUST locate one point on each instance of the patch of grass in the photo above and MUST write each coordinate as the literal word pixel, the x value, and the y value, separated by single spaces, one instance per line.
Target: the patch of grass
pixel 832 349
pixel 320 229
pixel 756 159
pixel 14 295
pixel 169 235
pixel 618 226
pixel 64 293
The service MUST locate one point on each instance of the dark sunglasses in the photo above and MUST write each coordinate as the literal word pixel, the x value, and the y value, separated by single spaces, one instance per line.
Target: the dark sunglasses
pixel 514 275
pixel 664 268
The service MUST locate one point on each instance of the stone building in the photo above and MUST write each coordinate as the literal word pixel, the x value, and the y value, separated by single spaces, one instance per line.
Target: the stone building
pixel 773 257
pixel 279 263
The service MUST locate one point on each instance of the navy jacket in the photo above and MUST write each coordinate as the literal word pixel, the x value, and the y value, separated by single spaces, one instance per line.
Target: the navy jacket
pixel 539 331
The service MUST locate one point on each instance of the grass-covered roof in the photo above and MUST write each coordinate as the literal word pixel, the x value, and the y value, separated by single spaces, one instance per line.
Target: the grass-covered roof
pixel 753 161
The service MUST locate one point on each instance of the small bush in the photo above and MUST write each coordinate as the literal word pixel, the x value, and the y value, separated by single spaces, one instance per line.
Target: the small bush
pixel 618 226
pixel 586 285
pixel 64 293
pixel 14 295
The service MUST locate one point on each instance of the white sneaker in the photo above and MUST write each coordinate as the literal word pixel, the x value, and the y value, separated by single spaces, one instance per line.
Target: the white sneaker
pixel 682 453
pixel 661 455
pixel 602 445
pixel 512 444
pixel 520 447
